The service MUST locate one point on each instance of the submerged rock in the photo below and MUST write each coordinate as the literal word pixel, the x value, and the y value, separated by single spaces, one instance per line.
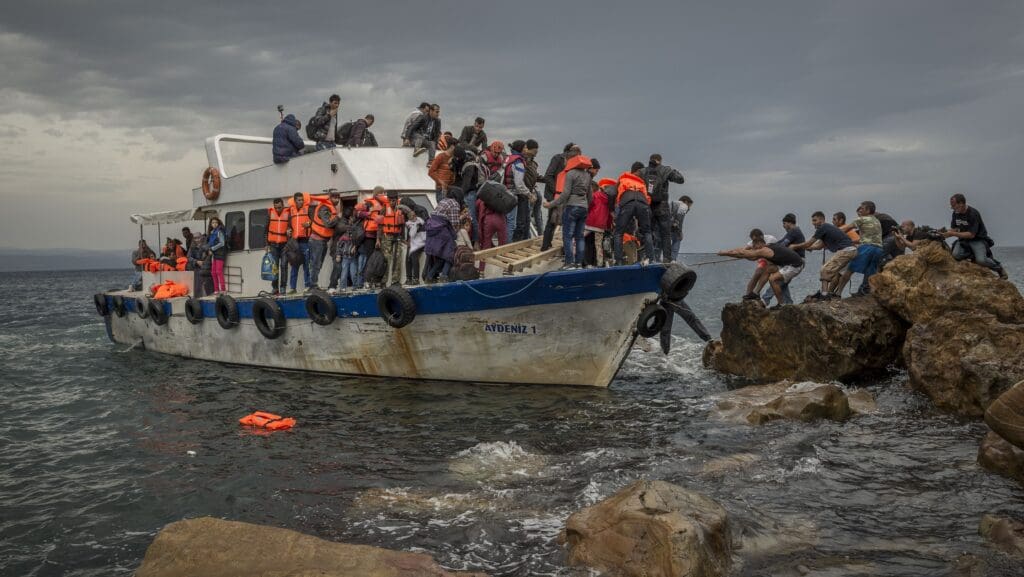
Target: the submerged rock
pixel 928 283
pixel 730 464
pixel 834 340
pixel 997 455
pixel 651 528
pixel 1007 535
pixel 217 548
pixel 964 361
pixel 1006 415
pixel 807 401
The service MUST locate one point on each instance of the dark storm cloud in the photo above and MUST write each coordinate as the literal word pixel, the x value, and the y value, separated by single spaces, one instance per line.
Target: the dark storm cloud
pixel 768 106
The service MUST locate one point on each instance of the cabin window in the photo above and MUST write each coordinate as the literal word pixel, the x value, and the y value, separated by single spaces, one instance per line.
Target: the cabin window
pixel 234 223
pixel 258 221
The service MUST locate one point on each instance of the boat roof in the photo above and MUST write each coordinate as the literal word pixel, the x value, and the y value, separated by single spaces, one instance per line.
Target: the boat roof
pixel 349 170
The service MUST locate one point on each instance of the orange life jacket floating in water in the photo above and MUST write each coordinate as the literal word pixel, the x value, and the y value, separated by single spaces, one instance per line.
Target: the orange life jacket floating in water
pixel 268 421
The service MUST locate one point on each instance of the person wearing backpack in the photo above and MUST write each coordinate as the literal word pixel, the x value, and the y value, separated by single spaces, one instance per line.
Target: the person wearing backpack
pixel 353 134
pixel 657 176
pixel 323 126
pixel 472 175
pixel 575 198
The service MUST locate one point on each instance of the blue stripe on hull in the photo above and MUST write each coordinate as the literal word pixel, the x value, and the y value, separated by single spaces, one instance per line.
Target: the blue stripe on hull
pixel 489 294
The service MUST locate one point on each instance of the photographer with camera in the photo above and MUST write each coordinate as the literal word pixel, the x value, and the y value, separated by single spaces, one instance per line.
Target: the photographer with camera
pixel 971 236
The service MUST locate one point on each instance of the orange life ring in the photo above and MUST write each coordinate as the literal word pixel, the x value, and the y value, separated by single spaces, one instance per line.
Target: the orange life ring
pixel 211 183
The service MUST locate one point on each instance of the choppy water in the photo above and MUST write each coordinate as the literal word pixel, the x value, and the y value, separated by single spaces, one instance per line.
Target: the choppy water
pixel 94 442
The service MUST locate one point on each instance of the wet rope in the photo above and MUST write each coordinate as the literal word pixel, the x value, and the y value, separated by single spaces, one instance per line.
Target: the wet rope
pixel 504 296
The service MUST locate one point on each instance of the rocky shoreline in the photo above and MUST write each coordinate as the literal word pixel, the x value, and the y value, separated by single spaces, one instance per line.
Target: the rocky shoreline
pixel 954 330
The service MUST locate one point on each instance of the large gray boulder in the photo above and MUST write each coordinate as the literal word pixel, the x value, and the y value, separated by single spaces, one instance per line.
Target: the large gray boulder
pixel 964 361
pixel 651 528
pixel 827 341
pixel 1003 533
pixel 217 548
pixel 806 401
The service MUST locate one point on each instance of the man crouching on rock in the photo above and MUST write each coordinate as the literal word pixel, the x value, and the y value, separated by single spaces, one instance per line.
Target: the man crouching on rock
pixel 784 264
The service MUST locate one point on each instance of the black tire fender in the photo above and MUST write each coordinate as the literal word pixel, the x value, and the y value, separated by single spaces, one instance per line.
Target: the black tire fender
pixel 396 306
pixel 100 300
pixel 119 309
pixel 142 307
pixel 269 318
pixel 320 308
pixel 651 319
pixel 194 311
pixel 677 281
pixel 157 312
pixel 227 311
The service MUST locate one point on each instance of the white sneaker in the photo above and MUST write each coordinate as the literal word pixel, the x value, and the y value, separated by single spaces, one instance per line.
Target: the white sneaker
pixel 332 291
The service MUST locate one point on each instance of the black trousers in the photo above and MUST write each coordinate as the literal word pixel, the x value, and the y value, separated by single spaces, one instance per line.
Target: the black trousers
pixel 661 218
pixel 522 230
pixel 412 265
pixel 639 211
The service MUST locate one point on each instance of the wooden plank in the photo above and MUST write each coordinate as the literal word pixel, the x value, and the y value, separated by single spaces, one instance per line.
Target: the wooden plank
pixel 482 254
pixel 552 252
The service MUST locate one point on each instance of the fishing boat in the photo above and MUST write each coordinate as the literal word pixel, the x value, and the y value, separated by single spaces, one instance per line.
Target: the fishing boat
pixel 523 322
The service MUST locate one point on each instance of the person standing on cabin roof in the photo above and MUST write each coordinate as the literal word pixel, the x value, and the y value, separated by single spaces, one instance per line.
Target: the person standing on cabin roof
pixel 575 198
pixel 425 131
pixel 658 176
pixel 555 167
pixel 441 172
pixel 323 218
pixel 219 248
pixel 391 223
pixel 287 143
pixel 530 180
pixel 474 136
pixel 971 236
pixel 278 221
pixel 324 125
pixel 632 204
pixel 300 212
pixel 515 181
pixel 358 133
pixel 142 252
pixel 407 135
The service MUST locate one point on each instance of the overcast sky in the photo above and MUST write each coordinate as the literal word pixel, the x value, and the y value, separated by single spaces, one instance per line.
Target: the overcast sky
pixel 766 107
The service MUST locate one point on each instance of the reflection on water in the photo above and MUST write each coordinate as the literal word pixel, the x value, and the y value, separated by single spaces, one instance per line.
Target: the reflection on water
pixel 96 438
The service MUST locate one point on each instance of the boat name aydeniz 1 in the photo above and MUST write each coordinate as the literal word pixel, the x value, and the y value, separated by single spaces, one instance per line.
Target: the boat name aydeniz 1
pixel 510 329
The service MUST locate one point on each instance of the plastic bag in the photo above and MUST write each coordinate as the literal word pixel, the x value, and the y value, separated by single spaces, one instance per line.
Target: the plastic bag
pixel 268 270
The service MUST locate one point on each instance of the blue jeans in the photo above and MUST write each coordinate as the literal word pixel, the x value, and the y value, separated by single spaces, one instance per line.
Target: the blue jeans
pixel 438 266
pixel 574 218
pixel 294 275
pixel 538 218
pixel 964 248
pixel 676 242
pixel 360 265
pixel 325 144
pixel 276 252
pixel 510 221
pixel 315 258
pixel 136 280
pixel 769 294
pixel 349 272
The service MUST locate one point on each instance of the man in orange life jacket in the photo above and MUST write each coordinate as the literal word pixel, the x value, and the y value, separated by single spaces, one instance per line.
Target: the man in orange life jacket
pixel 277 236
pixel 367 212
pixel 323 218
pixel 391 225
pixel 632 202
pixel 301 223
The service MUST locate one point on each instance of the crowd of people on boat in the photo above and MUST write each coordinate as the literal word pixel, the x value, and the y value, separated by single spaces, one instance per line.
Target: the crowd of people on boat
pixel 864 246
pixel 486 196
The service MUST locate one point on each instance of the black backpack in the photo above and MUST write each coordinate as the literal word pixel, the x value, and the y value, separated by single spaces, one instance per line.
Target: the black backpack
pixel 310 133
pixel 376 268
pixel 343 134
pixel 357 233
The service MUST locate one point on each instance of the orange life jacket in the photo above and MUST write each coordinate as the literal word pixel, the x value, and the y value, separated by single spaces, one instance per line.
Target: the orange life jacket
pixel 268 421
pixel 393 220
pixel 629 182
pixel 277 227
pixel 169 290
pixel 373 206
pixel 578 161
pixel 320 227
pixel 182 262
pixel 300 217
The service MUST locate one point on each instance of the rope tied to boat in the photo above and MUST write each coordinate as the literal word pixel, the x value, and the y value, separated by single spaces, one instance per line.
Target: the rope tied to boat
pixel 504 296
